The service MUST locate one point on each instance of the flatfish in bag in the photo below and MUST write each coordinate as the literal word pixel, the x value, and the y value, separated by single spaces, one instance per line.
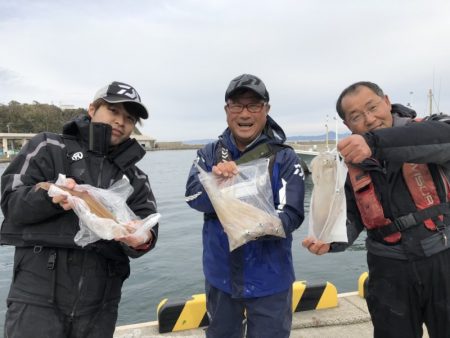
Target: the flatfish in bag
pixel 244 202
pixel 102 213
pixel 328 207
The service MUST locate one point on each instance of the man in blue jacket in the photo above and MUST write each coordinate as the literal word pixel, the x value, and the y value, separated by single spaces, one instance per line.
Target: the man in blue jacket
pixel 255 280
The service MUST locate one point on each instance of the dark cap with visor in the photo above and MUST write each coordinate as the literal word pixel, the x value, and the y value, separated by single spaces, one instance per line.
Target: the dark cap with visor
pixel 119 92
pixel 247 81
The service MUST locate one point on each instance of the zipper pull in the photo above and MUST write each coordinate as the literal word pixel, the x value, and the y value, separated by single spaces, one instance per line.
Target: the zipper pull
pixel 51 261
pixel 444 238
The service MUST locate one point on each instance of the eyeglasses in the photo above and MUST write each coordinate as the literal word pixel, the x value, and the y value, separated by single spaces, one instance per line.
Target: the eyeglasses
pixel 359 116
pixel 237 108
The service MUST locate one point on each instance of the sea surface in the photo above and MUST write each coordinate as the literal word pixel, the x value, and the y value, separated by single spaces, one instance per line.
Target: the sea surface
pixel 173 269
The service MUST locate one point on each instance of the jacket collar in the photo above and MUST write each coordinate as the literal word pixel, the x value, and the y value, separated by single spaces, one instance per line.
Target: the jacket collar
pixel 96 137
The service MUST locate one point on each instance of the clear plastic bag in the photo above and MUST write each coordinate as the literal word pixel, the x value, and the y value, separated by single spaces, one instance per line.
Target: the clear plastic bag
pixel 244 202
pixel 328 207
pixel 116 221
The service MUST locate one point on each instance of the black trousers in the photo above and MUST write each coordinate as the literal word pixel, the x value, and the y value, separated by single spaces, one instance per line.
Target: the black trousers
pixel 67 293
pixel 32 321
pixel 403 295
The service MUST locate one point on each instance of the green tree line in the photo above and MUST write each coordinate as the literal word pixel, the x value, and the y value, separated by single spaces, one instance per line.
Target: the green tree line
pixel 37 117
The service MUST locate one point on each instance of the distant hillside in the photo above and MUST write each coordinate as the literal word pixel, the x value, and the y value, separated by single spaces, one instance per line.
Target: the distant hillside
pixel 322 137
pixel 203 141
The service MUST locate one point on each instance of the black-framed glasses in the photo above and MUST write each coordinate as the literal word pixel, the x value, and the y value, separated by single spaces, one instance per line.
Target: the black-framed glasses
pixel 251 107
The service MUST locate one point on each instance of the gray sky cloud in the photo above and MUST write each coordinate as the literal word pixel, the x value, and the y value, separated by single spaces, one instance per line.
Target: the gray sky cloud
pixel 180 55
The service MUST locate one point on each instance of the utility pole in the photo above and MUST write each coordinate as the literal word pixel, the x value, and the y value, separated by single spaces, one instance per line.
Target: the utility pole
pixel 336 126
pixel 430 101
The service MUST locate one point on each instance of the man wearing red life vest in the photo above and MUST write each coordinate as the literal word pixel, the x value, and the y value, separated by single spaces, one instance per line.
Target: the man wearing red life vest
pixel 398 189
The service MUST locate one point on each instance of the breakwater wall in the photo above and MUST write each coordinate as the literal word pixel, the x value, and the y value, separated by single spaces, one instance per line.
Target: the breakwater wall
pixel 302 145
pixel 175 146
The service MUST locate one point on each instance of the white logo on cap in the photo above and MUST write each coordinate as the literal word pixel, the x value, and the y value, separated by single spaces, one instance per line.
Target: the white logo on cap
pixel 127 91
pixel 77 156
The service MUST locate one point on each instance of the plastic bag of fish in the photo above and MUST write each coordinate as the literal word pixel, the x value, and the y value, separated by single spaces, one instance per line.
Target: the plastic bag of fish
pixel 328 207
pixel 244 202
pixel 103 213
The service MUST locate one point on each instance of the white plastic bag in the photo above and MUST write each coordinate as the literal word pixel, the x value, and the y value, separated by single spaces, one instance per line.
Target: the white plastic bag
pixel 328 207
pixel 244 202
pixel 93 227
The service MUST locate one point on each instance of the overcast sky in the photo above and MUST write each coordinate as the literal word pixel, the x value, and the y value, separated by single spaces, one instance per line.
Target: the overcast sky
pixel 181 55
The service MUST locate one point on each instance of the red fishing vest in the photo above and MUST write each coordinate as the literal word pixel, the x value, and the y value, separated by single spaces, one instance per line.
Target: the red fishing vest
pixel 420 185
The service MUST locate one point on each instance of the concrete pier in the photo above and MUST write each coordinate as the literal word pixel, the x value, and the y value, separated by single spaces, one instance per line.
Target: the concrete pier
pixel 350 319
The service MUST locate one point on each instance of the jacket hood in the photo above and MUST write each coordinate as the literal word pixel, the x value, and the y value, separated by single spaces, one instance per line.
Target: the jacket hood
pixel 274 131
pixel 74 126
pixel 402 115
pixel 402 111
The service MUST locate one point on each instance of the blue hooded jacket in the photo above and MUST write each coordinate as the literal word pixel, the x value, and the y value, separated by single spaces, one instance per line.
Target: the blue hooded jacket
pixel 261 267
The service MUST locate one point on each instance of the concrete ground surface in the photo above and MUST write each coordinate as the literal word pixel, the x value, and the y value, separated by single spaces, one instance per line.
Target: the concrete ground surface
pixel 350 319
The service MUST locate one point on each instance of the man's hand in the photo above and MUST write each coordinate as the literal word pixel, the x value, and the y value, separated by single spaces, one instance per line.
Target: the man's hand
pixel 354 149
pixel 62 199
pixel 225 169
pixel 136 240
pixel 316 246
pixel 138 237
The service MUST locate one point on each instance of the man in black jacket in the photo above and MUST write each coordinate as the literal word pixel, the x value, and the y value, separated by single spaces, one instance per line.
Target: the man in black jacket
pixel 60 289
pixel 398 189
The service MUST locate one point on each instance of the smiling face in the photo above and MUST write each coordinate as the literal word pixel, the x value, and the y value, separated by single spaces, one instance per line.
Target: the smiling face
pixel 247 124
pixel 117 117
pixel 365 111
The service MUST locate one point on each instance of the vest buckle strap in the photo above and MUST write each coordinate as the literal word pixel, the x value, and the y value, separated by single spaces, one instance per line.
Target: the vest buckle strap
pixel 404 222
pixel 400 224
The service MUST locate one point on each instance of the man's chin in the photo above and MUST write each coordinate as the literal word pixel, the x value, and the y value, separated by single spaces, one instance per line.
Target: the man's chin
pixel 246 137
pixel 115 141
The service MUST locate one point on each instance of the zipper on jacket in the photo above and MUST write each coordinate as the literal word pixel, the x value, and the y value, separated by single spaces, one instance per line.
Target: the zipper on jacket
pixel 383 167
pixel 80 285
pixel 99 177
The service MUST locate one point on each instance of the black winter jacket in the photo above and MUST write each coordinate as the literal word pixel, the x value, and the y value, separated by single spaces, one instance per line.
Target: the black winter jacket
pixel 30 216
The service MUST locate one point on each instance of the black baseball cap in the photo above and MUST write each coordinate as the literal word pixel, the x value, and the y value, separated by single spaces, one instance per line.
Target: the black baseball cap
pixel 119 92
pixel 247 81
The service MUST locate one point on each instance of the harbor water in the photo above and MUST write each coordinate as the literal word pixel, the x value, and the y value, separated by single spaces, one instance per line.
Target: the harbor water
pixel 174 268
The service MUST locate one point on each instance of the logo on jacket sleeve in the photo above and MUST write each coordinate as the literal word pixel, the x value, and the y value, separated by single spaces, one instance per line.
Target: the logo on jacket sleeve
pixel 298 170
pixel 77 156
